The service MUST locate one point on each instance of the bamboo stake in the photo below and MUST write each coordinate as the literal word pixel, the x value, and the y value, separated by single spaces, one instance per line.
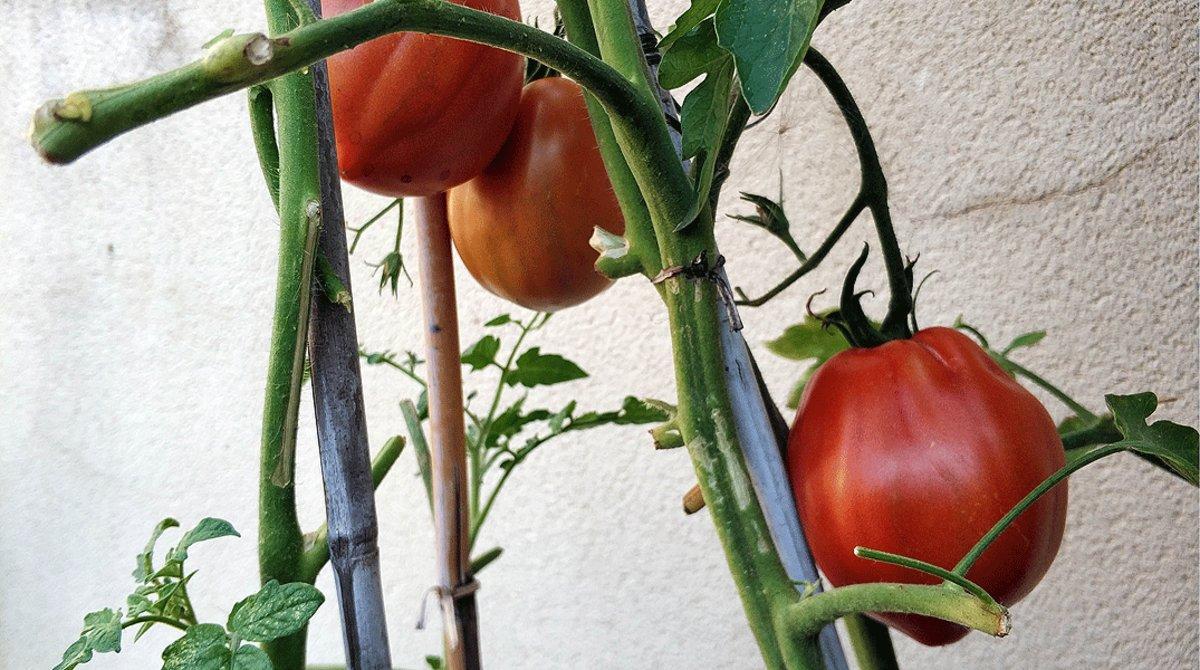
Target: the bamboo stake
pixel 455 587
pixel 353 529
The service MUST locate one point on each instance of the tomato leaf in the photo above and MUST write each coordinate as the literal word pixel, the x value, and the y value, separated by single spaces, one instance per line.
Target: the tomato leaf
pixel 482 353
pixel 768 38
pixel 807 341
pixel 104 629
pixel 695 14
pixel 533 368
pixel 275 611
pixel 1024 340
pixel 1169 444
pixel 145 560
pixel 203 647
pixel 250 657
pixel 704 117
pixel 500 320
pixel 694 54
pixel 208 529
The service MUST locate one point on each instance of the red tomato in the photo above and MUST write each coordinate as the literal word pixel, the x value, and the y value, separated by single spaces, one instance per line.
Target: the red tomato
pixel 918 447
pixel 416 114
pixel 522 226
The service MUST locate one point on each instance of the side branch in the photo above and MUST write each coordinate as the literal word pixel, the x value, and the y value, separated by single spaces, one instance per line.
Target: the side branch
pixel 945 601
pixel 65 129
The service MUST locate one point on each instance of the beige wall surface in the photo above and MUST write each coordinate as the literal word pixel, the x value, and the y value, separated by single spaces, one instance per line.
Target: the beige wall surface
pixel 1042 157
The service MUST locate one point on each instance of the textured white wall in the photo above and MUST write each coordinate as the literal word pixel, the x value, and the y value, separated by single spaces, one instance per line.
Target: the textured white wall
pixel 1042 155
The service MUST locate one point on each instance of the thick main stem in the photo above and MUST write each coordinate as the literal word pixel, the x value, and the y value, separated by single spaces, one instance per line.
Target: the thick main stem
pixel 448 454
pixel 280 542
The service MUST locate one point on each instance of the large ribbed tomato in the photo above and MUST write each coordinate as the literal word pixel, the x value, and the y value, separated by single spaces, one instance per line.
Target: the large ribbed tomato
pixel 522 226
pixel 416 114
pixel 918 447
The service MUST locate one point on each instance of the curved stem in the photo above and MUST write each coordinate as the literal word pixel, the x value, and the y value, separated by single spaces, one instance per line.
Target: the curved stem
pixel 1072 465
pixel 1074 405
pixel 262 127
pixel 944 601
pixel 874 188
pixel 153 618
pixel 856 208
pixel 66 129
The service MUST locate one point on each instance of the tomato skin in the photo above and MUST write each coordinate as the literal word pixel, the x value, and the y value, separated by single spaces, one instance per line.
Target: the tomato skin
pixel 416 114
pixel 522 226
pixel 918 447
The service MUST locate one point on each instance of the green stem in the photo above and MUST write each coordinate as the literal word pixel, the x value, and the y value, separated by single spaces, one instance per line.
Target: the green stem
pixel 280 540
pixel 646 145
pixel 871 642
pixel 317 554
pixel 262 127
pixel 856 208
pixel 152 618
pixel 476 455
pixel 358 232
pixel 67 128
pixel 874 188
pixel 412 421
pixel 1103 432
pixel 944 601
pixel 1076 407
pixel 639 231
pixel 1066 471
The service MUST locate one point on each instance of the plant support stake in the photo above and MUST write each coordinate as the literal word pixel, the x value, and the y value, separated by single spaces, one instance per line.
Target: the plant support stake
pixel 456 586
pixel 341 422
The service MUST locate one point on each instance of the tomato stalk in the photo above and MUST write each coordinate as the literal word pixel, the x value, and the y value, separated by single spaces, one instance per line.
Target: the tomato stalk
pixel 280 542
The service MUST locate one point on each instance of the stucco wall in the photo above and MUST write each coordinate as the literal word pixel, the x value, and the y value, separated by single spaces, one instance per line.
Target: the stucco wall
pixel 1042 156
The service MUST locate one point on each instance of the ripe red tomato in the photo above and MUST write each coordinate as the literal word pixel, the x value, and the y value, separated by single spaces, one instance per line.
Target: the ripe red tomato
pixel 918 447
pixel 522 226
pixel 416 114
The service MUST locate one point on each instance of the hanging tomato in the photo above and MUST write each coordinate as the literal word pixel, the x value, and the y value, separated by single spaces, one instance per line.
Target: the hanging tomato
pixel 416 114
pixel 917 447
pixel 522 226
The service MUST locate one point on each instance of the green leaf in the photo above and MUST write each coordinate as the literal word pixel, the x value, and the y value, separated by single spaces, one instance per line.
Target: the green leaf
pixel 482 353
pixel 510 422
pixel 250 657
pixel 434 662
pixel 706 110
pixel 275 611
pixel 208 529
pixel 1174 445
pixel 500 320
pixel 634 411
pixel 534 368
pixel 1024 340
pixel 768 38
pixel 78 653
pixel 104 628
pixel 809 341
pixel 560 417
pixel 694 54
pixel 704 117
pixel 203 647
pixel 145 560
pixel 695 14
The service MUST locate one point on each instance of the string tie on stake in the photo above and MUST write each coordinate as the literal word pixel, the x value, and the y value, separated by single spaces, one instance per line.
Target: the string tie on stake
pixel 700 270
pixel 446 598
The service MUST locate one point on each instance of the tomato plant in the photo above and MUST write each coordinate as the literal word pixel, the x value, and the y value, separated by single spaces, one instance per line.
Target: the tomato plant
pixel 522 225
pixel 930 485
pixel 416 114
pixel 918 446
